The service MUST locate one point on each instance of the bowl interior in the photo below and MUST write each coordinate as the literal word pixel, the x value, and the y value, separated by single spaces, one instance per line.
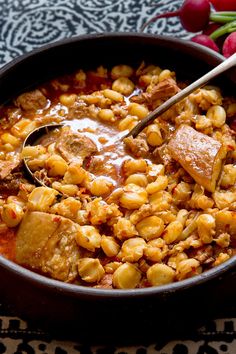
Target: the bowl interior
pixel 188 60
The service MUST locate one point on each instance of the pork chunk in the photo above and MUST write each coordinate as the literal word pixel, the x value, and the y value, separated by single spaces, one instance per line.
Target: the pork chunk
pixel 162 154
pixel 6 167
pixel 73 146
pixel 162 91
pixel 11 184
pixel 199 154
pixel 31 101
pixel 138 146
pixel 46 243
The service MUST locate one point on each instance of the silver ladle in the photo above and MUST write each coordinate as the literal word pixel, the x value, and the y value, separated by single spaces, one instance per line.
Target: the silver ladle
pixel 219 69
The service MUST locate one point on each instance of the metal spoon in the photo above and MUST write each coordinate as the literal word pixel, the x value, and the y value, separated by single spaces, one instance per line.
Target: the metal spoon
pixel 227 64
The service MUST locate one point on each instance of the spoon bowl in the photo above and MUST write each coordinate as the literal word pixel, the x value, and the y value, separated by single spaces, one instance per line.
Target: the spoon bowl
pixel 32 139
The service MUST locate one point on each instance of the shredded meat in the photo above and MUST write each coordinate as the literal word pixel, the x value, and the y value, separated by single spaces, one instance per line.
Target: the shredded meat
pixel 163 90
pixel 6 167
pixel 203 254
pixel 105 283
pixel 31 101
pixel 138 146
pixel 144 211
pixel 162 155
pixel 73 146
pixel 42 176
pixel 95 165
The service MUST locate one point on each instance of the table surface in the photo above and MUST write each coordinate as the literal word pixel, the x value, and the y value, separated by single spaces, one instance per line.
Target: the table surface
pixel 28 24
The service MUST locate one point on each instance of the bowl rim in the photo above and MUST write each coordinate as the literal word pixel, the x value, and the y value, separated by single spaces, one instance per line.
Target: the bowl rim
pixel 96 36
pixel 88 293
pixel 74 290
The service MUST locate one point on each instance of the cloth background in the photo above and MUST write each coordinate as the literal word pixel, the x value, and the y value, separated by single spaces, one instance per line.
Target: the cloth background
pixel 28 24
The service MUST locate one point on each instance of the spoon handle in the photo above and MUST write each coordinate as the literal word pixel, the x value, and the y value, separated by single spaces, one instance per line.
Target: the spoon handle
pixel 225 65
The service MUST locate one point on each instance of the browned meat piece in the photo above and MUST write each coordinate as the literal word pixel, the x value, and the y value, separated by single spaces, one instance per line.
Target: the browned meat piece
pixel 11 183
pixel 162 154
pixel 6 167
pixel 163 90
pixel 138 146
pixel 95 164
pixel 200 155
pixel 73 146
pixel 203 254
pixel 50 249
pixel 9 116
pixel 31 101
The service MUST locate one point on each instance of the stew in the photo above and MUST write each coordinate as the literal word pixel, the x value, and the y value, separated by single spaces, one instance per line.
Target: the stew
pixel 145 211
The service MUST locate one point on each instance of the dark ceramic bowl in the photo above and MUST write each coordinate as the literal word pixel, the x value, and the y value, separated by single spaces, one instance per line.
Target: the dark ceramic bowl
pixel 92 314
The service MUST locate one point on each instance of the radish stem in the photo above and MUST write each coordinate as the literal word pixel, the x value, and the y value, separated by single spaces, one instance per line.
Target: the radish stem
pixel 194 15
pixel 228 28
pixel 226 13
pixel 214 17
pixel 165 15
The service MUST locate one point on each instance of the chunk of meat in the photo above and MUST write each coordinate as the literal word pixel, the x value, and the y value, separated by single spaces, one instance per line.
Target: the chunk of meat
pixel 200 155
pixel 202 254
pixel 138 146
pixel 31 101
pixel 6 167
pixel 75 146
pixel 162 154
pixel 11 184
pixel 162 91
pixel 9 117
pixel 50 249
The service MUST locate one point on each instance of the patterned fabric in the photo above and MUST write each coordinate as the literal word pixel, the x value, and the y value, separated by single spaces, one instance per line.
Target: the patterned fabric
pixel 217 337
pixel 28 24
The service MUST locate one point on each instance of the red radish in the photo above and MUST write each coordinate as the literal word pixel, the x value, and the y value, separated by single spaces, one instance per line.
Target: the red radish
pixel 211 28
pixel 229 46
pixel 193 14
pixel 205 41
pixel 224 5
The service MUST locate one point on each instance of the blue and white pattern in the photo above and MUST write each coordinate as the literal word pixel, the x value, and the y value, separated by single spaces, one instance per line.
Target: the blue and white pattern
pixel 28 24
